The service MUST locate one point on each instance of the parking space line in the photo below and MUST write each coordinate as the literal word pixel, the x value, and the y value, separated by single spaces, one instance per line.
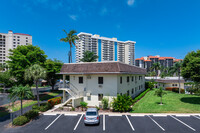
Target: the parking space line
pixel 115 115
pixel 183 123
pixel 156 123
pixel 104 122
pixel 130 123
pixel 78 122
pixel 52 122
pixel 70 114
pixel 196 117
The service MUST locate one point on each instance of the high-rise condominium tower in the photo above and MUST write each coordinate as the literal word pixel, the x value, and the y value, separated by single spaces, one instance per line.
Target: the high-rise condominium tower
pixel 11 41
pixel 107 49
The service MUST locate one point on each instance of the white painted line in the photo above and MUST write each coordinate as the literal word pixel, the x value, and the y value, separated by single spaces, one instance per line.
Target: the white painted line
pixel 182 115
pixel 159 115
pixel 52 122
pixel 130 123
pixel 183 123
pixel 49 114
pixel 70 114
pixel 138 115
pixel 104 123
pixel 196 117
pixel 156 123
pixel 78 122
pixel 115 115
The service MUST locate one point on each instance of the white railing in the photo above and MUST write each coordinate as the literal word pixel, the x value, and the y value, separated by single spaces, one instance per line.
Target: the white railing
pixel 72 90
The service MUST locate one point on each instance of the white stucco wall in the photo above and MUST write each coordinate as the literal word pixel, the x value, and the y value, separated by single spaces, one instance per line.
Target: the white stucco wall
pixel 164 85
pixel 110 88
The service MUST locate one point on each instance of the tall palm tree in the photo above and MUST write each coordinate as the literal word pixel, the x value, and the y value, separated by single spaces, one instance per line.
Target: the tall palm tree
pixel 156 66
pixel 70 38
pixel 89 56
pixel 176 69
pixel 20 92
pixel 35 72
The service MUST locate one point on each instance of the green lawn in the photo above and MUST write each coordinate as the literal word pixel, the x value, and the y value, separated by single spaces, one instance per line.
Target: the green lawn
pixel 173 103
pixel 49 95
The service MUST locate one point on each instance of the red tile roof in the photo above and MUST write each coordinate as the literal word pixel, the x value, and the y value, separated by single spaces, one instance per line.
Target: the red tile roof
pixel 161 58
pixel 153 57
pixel 147 60
pixel 177 60
pixel 22 34
pixel 169 57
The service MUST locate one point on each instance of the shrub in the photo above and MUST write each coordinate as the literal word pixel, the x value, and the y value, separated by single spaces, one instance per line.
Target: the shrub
pixel 140 96
pixel 31 114
pixel 122 103
pixel 149 85
pixel 72 109
pixel 98 108
pixel 105 103
pixel 35 107
pixel 54 101
pixel 20 120
pixel 169 88
pixel 177 90
pixel 83 104
pixel 43 107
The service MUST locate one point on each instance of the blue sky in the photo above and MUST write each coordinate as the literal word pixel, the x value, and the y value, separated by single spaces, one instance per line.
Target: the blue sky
pixel 159 27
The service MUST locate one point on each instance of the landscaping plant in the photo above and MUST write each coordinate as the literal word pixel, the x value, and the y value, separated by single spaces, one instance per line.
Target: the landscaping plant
pixel 54 101
pixel 20 120
pixel 122 103
pixel 160 92
pixel 83 105
pixel 20 92
pixel 105 102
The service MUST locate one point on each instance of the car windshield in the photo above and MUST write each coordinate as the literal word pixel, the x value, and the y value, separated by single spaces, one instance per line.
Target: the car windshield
pixel 91 113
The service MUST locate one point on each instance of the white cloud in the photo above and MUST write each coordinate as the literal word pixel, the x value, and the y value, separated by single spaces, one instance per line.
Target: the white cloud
pixel 73 17
pixel 130 2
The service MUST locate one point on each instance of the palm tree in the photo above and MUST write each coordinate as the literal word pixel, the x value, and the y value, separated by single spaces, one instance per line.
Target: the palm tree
pixel 156 66
pixel 35 72
pixel 176 69
pixel 70 38
pixel 89 56
pixel 160 92
pixel 20 92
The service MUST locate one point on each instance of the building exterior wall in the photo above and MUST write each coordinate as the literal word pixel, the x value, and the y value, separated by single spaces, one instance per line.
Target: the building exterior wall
pixel 165 85
pixel 108 49
pixel 110 88
pixel 11 41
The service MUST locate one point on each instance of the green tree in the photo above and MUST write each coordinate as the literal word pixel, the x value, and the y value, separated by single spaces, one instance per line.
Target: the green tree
pixel 176 69
pixel 35 73
pixel 89 56
pixel 191 66
pixel 22 58
pixel 70 38
pixel 53 67
pixel 160 92
pixel 3 67
pixel 122 103
pixel 156 66
pixel 6 79
pixel 20 92
pixel 105 102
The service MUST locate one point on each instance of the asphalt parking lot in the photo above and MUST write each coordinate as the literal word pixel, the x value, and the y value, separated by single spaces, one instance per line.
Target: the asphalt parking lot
pixel 61 123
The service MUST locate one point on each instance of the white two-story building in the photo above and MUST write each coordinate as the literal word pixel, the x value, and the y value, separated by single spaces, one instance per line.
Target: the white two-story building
pixel 90 82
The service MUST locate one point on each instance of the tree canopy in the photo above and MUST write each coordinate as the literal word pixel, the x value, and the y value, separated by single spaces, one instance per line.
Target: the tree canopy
pixel 53 67
pixel 22 58
pixel 191 66
pixel 89 56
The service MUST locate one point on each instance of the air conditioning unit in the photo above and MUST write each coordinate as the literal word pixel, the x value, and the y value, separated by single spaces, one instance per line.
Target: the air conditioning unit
pixel 100 85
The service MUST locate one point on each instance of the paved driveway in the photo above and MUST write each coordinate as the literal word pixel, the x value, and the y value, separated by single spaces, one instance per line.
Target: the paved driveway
pixel 61 123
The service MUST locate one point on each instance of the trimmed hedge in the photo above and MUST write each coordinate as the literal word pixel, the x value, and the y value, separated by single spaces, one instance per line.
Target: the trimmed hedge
pixel 31 114
pixel 54 101
pixel 140 96
pixel 20 120
pixel 175 89
pixel 43 107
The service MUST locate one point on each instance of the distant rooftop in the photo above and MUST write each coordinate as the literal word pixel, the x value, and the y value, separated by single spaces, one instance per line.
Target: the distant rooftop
pixel 148 58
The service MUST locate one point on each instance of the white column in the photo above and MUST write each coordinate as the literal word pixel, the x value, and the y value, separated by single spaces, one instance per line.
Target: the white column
pixel 64 86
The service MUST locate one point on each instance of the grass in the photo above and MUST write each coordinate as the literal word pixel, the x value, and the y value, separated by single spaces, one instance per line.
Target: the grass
pixel 172 103
pixel 49 95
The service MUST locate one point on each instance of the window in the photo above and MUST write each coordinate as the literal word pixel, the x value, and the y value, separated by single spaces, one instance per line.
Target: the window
pixel 26 37
pixel 100 80
pixel 80 80
pixel 89 98
pixel 127 78
pixel 100 97
pixel 132 78
pixel 120 80
pixel 18 36
pixel 26 40
pixel 128 93
pixel 132 91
